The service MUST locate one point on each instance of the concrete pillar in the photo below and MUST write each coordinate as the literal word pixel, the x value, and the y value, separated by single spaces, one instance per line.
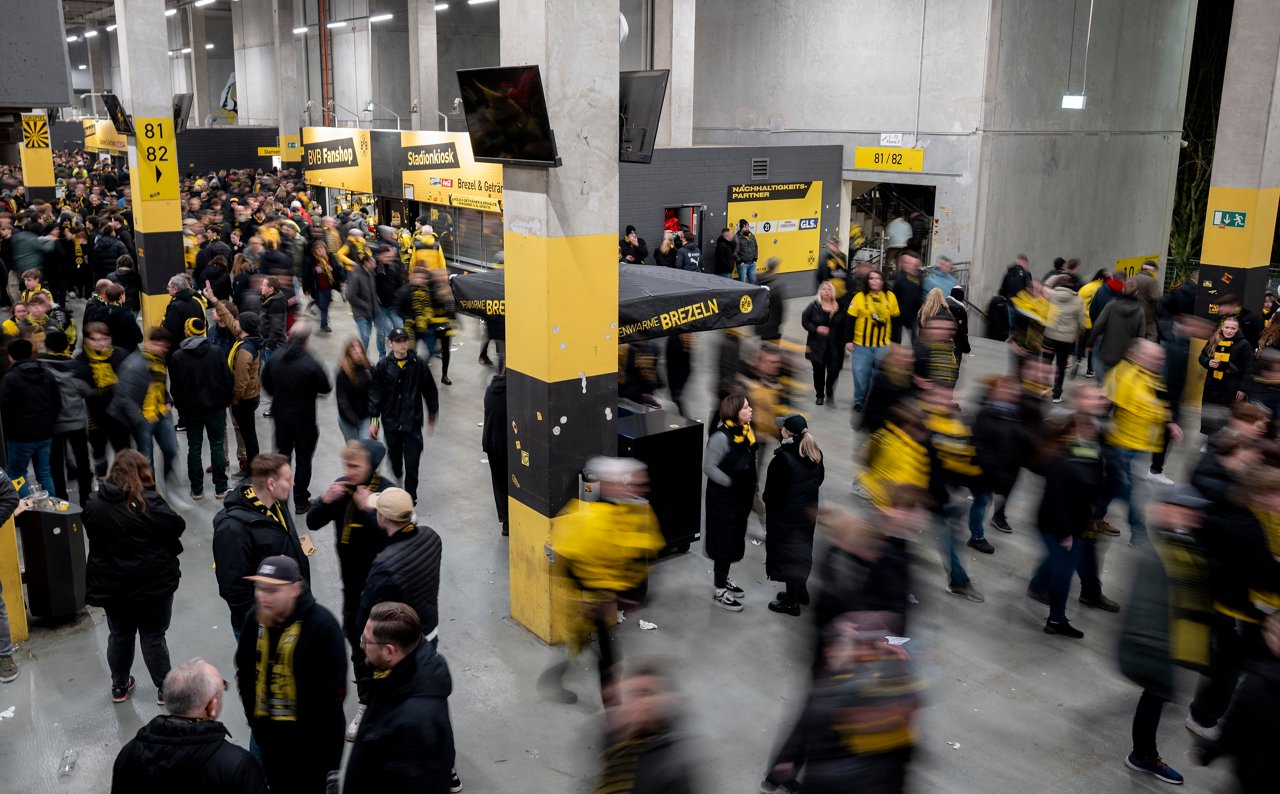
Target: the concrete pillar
pixel 143 40
pixel 201 107
pixel 423 88
pixel 286 67
pixel 1246 163
pixel 560 235
pixel 673 49
pixel 97 64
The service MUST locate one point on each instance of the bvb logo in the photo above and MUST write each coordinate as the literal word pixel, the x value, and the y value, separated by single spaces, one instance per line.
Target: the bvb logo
pixel 744 305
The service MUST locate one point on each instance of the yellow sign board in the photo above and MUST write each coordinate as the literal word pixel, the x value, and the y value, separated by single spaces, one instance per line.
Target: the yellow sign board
pixel 268 151
pixel 887 158
pixel 337 157
pixel 35 131
pixel 1131 265
pixel 100 136
pixel 157 159
pixel 438 168
pixel 291 148
pixel 786 220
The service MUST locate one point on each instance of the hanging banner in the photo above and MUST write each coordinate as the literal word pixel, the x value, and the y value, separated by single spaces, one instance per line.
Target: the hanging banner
pixel 36 156
pixel 100 136
pixel 337 157
pixel 785 218
pixel 437 168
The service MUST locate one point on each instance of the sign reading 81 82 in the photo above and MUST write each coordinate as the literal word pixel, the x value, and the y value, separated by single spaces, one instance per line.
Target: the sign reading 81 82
pixel 157 159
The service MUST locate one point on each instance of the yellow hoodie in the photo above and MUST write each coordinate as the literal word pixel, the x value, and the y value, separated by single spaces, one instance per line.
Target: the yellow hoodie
pixel 894 458
pixel 1140 415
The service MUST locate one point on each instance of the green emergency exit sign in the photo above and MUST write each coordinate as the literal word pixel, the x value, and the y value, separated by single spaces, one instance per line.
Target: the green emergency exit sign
pixel 1229 219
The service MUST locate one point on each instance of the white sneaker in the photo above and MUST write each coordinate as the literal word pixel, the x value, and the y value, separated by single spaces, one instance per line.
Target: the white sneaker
pixel 1209 734
pixel 1159 476
pixel 354 727
pixel 723 600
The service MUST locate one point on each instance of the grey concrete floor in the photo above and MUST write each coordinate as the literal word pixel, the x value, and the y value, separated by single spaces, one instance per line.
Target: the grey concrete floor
pixel 1009 709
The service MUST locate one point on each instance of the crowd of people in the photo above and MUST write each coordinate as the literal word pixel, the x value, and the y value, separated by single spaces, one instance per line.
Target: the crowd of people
pixel 264 266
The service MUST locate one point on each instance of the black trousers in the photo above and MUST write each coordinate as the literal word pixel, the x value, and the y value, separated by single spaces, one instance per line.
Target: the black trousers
pixel 102 431
pixel 245 415
pixel 1061 352
pixel 148 620
pixel 78 440
pixel 721 573
pixel 404 450
pixel 298 443
pixel 825 375
pixel 1227 655
pixel 498 477
pixel 1146 721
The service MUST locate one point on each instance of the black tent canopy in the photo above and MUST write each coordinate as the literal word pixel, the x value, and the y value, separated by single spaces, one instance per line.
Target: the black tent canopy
pixel 653 301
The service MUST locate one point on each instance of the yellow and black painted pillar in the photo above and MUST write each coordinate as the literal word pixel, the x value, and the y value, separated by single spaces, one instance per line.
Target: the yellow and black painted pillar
pixel 560 238
pixel 37 157
pixel 143 43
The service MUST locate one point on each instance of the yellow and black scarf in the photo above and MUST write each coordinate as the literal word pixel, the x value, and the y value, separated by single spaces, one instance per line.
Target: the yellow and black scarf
pixel 351 519
pixel 153 404
pixel 747 435
pixel 104 375
pixel 273 511
pixel 275 694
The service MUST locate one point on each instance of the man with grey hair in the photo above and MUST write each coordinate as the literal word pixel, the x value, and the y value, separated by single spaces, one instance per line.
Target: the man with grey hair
pixel 295 380
pixel 941 277
pixel 184 304
pixel 187 749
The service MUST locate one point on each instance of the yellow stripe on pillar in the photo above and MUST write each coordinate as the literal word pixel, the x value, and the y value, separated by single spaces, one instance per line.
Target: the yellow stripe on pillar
pixel 540 599
pixel 1244 247
pixel 153 308
pixel 573 331
pixel 11 581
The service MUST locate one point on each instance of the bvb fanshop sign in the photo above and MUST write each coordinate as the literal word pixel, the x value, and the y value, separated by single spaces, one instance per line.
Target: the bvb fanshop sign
pixel 337 157
pixel 786 219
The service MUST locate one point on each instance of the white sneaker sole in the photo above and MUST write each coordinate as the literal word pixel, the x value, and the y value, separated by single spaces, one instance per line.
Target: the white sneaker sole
pixel 1159 777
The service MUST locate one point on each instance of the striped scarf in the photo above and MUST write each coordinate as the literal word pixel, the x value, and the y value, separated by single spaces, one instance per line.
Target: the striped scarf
pixel 747 435
pixel 275 693
pixel 104 375
pixel 153 403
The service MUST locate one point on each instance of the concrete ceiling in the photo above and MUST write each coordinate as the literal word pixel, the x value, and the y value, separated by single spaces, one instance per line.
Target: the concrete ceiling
pixel 79 12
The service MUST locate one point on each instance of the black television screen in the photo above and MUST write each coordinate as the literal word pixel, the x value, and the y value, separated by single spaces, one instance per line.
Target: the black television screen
pixel 640 96
pixel 115 111
pixel 506 113
pixel 182 111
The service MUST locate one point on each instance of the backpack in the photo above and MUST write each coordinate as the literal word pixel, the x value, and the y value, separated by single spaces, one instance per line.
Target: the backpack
pixel 998 319
pixel 1013 283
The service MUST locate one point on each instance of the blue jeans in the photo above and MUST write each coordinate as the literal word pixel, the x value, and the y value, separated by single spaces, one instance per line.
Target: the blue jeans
pixel 6 639
pixel 1053 577
pixel 364 326
pixel 323 297
pixel 747 272
pixel 351 432
pixel 944 520
pixel 385 321
pixel 864 362
pixel 162 433
pixel 427 338
pixel 1121 484
pixel 30 453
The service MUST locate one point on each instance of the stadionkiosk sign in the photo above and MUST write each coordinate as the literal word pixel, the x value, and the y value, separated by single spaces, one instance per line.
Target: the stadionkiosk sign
pixel 786 219
pixel 337 157
pixel 437 167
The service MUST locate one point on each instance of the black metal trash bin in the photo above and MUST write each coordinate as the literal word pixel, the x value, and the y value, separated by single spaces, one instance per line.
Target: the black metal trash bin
pixel 54 558
pixel 671 446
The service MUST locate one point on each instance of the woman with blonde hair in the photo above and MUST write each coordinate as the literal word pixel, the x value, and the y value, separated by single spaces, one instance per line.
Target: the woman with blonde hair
pixel 665 256
pixel 351 385
pixel 822 319
pixel 791 502
pixel 935 303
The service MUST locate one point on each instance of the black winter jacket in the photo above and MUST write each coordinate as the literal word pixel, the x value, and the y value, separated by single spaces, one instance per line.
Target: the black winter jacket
pixel 405 741
pixel 397 393
pixel 357 536
pixel 29 402
pixel 790 501
pixel 106 250
pixel 1003 446
pixel 818 348
pixel 387 282
pixel 408 571
pixel 352 395
pixel 200 376
pixel 192 756
pixel 244 534
pixel 133 556
pixel 274 313
pixel 726 254
pixel 295 380
pixel 128 278
pixel 493 438
pixel 182 306
pixel 1071 485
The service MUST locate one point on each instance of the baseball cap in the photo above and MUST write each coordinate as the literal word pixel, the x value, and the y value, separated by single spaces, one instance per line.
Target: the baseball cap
pixel 795 424
pixel 278 569
pixel 393 504
pixel 397 334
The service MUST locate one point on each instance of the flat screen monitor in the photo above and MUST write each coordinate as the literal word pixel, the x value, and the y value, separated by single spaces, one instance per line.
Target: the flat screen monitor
pixel 506 112
pixel 640 98
pixel 115 111
pixel 182 111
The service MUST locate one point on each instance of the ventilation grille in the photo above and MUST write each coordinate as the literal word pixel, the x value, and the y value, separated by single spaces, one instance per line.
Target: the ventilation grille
pixel 759 167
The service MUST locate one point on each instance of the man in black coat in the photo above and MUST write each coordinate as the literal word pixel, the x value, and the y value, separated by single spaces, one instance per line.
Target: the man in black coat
pixel 255 524
pixel 401 385
pixel 29 406
pixel 405 741
pixel 726 253
pixel 295 380
pixel 908 288
pixel 107 250
pixel 493 441
pixel 187 749
pixel 291 670
pixel 201 389
pixel 185 304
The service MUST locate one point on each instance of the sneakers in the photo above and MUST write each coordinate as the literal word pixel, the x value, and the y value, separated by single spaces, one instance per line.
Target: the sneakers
pixel 857 408
pixel 1063 629
pixel 1088 373
pixel 981 544
pixel 221 494
pixel 966 590
pixel 734 590
pixel 455 782
pixel 784 607
pixel 803 601
pixel 1100 602
pixel 484 361
pixel 159 697
pixel 767 786
pixel 1206 732
pixel 1156 767
pixel 818 400
pixel 120 694
pixel 1001 523
pixel 1057 400
pixel 1103 527
pixel 196 497
pixel 353 727
pixel 1158 476
pixel 8 670
pixel 725 600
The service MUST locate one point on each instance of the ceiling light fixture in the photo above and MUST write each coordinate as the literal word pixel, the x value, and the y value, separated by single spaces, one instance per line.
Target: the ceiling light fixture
pixel 88 34
pixel 202 3
pixel 300 31
pixel 442 6
pixel 479 2
pixel 73 38
pixel 170 12
pixel 186 50
pixel 381 17
pixel 336 24
pixel 83 66
pixel 111 27
pixel 1073 101
pixel 209 46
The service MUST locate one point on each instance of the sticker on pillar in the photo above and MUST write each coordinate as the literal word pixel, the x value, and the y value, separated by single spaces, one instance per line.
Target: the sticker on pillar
pixel 1229 219
pixel 524 457
pixel 157 159
pixel 35 131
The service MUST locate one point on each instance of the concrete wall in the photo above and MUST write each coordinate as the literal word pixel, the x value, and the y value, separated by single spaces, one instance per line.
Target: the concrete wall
pixel 37 70
pixel 467 38
pixel 255 62
pixel 1095 184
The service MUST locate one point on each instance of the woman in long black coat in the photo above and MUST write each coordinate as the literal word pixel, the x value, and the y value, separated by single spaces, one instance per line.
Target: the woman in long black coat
pixel 824 343
pixel 730 466
pixel 133 568
pixel 791 504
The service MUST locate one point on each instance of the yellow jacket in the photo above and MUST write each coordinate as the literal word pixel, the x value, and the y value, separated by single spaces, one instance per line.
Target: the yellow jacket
pixel 1086 293
pixel 351 252
pixel 1140 415
pixel 894 458
pixel 607 546
pixel 427 252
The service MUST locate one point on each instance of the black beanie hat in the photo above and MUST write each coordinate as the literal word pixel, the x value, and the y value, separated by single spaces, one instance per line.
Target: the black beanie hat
pixel 249 323
pixel 20 350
